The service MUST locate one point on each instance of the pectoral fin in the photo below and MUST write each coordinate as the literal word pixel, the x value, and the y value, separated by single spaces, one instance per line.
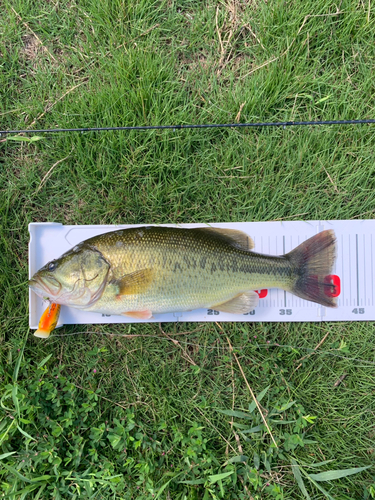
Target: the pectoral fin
pixel 241 304
pixel 234 237
pixel 134 283
pixel 139 314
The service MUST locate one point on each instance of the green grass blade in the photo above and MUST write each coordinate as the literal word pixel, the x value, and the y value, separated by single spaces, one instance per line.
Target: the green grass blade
pixel 238 458
pixel 325 493
pixel 20 356
pixel 18 364
pixel 25 433
pixel 298 478
pixel 21 138
pixel 286 406
pixel 330 475
pixel 16 473
pixel 281 422
pixel 218 477
pixel 235 413
pixel 255 429
pixel 162 488
pixel 4 455
pixel 7 431
pixel 41 478
pixel 240 426
pixel 319 464
pixel 260 396
pixel 26 490
pixel 37 496
pixel 15 399
pixel 44 361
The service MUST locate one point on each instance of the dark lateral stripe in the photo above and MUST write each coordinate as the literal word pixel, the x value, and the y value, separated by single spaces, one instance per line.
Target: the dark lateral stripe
pixel 264 269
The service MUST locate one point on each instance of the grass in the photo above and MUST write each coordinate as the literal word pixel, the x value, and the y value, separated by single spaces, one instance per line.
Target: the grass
pixel 113 63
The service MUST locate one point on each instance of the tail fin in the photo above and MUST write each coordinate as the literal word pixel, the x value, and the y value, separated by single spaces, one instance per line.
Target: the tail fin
pixel 312 262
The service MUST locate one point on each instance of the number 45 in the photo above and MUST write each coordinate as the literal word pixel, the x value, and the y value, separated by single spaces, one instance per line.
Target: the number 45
pixel 359 310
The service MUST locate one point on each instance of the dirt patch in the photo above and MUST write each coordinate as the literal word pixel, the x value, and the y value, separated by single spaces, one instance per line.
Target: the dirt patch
pixel 194 61
pixel 37 54
pixel 32 47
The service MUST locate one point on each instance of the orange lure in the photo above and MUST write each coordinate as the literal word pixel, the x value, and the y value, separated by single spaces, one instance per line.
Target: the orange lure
pixel 48 321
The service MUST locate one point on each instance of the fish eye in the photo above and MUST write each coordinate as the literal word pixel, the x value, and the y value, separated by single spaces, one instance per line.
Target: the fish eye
pixel 52 266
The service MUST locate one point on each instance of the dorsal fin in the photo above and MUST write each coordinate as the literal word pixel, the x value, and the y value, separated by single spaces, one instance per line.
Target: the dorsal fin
pixel 239 239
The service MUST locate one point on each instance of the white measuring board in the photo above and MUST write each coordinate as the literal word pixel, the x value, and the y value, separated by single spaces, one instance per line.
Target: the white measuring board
pixel 353 273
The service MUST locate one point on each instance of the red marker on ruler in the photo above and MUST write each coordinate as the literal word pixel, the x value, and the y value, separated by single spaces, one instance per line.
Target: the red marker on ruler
pixel 335 289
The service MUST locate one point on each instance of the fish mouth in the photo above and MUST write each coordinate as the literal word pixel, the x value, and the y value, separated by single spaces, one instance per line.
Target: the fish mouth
pixel 44 288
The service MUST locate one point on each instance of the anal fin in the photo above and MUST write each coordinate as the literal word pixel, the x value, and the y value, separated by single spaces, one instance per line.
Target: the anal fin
pixel 240 304
pixel 146 314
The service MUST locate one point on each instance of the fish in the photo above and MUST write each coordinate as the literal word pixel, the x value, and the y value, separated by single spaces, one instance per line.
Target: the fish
pixel 149 270
pixel 48 321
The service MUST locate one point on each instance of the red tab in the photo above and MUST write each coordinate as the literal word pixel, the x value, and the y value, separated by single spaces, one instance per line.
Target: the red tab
pixel 262 293
pixel 335 290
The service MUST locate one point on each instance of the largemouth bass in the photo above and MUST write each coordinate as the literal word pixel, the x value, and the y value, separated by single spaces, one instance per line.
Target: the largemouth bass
pixel 146 270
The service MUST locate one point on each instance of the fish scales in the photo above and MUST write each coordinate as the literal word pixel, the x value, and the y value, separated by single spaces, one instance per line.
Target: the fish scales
pixel 191 269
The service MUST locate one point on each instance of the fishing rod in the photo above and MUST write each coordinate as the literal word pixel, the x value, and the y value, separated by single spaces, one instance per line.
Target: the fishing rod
pixel 190 126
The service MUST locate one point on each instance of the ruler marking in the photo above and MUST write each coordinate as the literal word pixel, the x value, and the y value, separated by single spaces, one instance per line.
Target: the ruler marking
pixel 291 302
pixel 342 273
pixel 372 275
pixel 284 254
pixel 364 268
pixel 299 301
pixel 272 295
pixel 350 276
pixel 356 260
pixel 265 303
